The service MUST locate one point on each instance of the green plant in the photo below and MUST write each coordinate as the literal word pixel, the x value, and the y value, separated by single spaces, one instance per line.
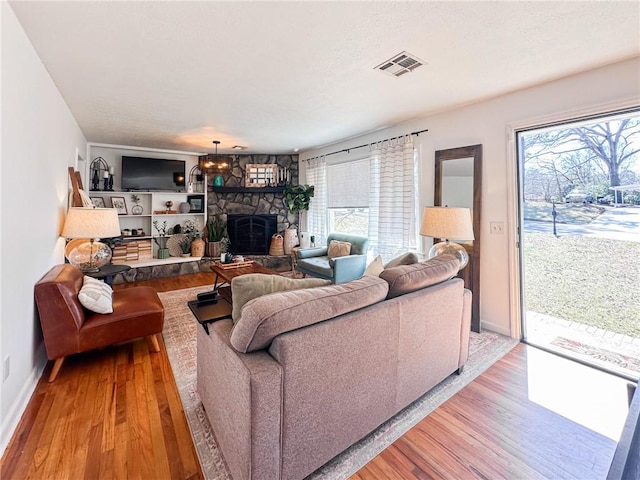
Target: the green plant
pixel 297 198
pixel 215 229
pixel 161 228
pixel 185 245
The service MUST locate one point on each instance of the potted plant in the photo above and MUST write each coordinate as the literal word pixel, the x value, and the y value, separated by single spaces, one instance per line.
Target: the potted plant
pixel 297 198
pixel 137 208
pixel 161 239
pixel 185 246
pixel 215 233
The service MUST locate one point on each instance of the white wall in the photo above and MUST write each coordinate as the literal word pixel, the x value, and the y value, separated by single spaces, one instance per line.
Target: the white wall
pixel 489 123
pixel 39 141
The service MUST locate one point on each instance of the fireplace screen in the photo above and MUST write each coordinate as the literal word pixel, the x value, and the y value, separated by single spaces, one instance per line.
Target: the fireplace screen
pixel 251 234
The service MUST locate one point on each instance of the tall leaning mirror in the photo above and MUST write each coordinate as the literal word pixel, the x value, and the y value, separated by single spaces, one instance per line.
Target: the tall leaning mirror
pixel 458 183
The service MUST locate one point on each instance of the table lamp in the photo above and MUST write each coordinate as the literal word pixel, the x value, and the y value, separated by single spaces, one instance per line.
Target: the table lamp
pixel 90 224
pixel 448 223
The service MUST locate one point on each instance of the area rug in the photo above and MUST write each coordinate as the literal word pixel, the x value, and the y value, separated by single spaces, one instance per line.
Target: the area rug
pixel 600 354
pixel 180 339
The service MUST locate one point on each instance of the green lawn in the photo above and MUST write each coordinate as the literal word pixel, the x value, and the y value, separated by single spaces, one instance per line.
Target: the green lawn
pixel 588 280
pixel 575 213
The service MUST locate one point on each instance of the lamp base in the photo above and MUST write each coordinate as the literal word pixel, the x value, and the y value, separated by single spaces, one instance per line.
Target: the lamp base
pixel 451 248
pixel 89 256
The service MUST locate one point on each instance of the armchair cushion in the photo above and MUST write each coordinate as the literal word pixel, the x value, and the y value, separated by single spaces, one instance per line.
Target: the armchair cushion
pixel 96 296
pixel 254 285
pixel 338 249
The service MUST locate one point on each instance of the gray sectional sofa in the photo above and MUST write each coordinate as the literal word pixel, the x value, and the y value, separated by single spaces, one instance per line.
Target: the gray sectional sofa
pixel 304 374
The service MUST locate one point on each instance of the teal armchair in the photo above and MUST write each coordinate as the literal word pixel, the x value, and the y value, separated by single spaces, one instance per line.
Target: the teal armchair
pixel 316 263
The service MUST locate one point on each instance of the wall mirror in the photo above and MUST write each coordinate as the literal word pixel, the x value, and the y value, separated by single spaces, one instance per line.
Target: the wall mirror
pixel 458 183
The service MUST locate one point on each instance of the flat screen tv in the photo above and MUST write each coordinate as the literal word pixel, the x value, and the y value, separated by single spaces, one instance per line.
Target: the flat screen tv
pixel 140 173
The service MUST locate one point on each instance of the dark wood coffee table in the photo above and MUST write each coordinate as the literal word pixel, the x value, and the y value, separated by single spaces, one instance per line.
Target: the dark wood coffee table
pixel 216 304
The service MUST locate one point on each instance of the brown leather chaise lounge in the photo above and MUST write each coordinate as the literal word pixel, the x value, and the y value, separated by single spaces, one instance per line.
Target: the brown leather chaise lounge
pixel 70 328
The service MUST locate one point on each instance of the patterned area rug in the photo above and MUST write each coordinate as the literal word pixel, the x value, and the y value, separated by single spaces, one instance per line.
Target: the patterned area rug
pixel 180 339
pixel 600 354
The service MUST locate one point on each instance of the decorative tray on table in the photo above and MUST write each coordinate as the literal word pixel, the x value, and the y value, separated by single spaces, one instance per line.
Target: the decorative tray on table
pixel 225 266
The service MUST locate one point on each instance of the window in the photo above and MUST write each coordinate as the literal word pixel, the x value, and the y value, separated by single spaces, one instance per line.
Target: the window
pixel 348 187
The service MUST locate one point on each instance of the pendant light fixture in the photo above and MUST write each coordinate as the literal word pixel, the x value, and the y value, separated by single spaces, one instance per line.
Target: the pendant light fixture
pixel 214 163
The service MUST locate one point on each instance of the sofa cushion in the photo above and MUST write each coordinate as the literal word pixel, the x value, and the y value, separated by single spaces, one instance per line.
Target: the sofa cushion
pixel 409 278
pixel 338 249
pixel 254 285
pixel 95 295
pixel 408 258
pixel 265 317
pixel 375 268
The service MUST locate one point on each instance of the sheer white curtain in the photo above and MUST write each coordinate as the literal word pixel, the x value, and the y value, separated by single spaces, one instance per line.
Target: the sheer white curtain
pixel 392 204
pixel 317 215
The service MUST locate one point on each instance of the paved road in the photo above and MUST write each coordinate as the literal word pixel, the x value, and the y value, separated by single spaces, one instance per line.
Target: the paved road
pixel 622 223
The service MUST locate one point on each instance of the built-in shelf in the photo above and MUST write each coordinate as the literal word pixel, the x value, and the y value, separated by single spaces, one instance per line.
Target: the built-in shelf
pixel 248 189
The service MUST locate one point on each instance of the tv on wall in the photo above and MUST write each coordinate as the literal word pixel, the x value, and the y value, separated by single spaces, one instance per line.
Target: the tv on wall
pixel 140 173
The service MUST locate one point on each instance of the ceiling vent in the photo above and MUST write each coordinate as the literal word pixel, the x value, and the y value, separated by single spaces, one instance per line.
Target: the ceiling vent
pixel 400 64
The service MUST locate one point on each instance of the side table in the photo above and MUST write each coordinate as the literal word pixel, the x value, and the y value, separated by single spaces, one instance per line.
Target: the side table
pixel 107 272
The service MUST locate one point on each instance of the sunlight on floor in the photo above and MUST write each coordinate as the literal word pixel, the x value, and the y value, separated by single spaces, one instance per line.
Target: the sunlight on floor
pixel 589 397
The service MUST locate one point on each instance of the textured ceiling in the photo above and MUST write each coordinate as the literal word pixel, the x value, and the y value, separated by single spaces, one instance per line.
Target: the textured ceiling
pixel 278 76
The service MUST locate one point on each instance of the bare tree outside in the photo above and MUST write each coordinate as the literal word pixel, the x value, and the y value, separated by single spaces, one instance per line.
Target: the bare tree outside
pixel 593 157
pixel 580 240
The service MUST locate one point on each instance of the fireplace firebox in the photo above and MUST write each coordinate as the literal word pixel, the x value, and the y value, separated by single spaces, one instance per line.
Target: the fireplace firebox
pixel 251 234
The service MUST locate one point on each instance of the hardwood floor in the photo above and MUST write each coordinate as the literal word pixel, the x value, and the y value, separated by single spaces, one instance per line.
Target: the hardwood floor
pixel 111 413
pixel 506 425
pixel 116 413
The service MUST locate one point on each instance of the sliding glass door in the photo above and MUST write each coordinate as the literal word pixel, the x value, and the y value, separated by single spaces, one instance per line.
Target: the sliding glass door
pixel 579 185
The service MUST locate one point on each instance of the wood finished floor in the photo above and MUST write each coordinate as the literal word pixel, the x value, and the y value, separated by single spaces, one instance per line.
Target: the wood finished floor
pixel 116 413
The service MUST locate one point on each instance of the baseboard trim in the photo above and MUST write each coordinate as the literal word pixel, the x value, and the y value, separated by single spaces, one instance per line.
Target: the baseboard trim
pixel 495 328
pixel 18 408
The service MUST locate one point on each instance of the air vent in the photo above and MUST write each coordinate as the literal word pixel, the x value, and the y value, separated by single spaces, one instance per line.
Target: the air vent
pixel 400 64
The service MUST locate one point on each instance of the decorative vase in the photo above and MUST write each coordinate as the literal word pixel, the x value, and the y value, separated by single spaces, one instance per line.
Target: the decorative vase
pixel 213 249
pixel 137 210
pixel 305 240
pixel 290 239
pixel 197 247
pixel 184 207
pixel 163 253
pixel 218 181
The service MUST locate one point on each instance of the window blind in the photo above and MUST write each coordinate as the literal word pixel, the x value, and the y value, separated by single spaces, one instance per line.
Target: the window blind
pixel 348 184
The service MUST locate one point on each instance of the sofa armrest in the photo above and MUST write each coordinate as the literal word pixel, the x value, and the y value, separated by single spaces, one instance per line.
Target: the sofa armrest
pixel 311 252
pixel 347 268
pixel 241 394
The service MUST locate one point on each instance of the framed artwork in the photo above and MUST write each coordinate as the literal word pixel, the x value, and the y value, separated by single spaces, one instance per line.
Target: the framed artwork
pixel 196 202
pixel 119 204
pixel 98 202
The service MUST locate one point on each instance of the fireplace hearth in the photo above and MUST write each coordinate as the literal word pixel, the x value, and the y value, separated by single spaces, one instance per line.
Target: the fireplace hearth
pixel 251 234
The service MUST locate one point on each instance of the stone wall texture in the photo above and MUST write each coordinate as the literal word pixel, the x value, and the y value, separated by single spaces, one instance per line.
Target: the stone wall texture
pixel 253 201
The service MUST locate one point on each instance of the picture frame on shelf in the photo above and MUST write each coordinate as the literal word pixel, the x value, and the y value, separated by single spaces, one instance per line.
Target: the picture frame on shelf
pixel 196 202
pixel 98 202
pixel 119 204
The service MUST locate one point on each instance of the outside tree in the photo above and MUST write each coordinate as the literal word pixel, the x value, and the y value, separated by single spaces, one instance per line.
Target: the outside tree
pixel 586 156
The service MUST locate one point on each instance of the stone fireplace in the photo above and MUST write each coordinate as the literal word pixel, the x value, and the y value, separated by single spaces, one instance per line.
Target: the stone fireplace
pixel 251 234
pixel 234 198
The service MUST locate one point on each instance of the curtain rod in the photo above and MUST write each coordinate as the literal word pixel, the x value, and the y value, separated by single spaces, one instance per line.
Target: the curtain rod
pixel 366 145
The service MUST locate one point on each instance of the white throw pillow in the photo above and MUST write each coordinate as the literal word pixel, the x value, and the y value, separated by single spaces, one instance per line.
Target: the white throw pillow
pixel 95 295
pixel 375 268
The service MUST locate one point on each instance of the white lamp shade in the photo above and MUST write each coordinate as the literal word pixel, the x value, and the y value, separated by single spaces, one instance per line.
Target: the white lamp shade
pixel 451 223
pixel 89 222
